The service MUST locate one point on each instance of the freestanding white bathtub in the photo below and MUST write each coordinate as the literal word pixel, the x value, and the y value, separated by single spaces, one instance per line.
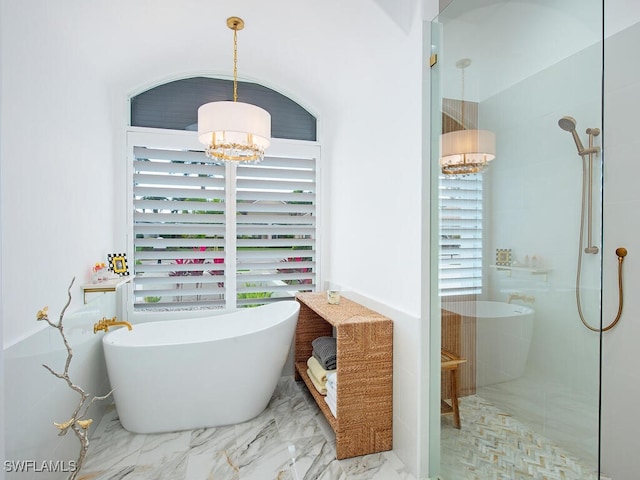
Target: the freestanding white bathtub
pixel 199 372
pixel 503 337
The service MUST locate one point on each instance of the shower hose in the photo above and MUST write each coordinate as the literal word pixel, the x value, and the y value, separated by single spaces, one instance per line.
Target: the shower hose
pixel 620 252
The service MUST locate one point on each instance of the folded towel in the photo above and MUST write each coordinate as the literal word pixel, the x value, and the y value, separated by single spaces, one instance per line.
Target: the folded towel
pixel 330 364
pixel 319 387
pixel 324 349
pixel 317 370
pixel 332 406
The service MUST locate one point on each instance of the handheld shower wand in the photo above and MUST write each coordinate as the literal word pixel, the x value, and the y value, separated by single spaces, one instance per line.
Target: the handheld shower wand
pixel 569 124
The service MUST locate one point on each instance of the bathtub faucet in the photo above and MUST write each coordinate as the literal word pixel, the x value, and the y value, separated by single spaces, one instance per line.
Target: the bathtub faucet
pixel 105 323
pixel 520 296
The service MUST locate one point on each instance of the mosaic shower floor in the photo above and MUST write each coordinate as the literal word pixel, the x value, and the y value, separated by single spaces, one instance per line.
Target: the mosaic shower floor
pixel 492 445
pixel 254 450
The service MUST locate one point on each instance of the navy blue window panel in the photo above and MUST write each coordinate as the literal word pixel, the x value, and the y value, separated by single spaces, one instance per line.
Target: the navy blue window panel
pixel 174 106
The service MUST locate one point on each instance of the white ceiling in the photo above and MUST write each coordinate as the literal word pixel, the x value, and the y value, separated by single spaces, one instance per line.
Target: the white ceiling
pixel 510 40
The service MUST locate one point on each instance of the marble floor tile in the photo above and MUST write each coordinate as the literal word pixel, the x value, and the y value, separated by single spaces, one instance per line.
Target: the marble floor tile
pixel 296 419
pixel 307 458
pixel 215 465
pixel 171 467
pixel 377 466
pixel 109 421
pixel 163 447
pixel 116 449
pixel 290 440
pixel 332 472
pixel 217 439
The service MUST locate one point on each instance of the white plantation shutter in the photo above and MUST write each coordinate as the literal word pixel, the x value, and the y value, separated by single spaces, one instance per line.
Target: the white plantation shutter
pixel 276 229
pixel 460 234
pixel 178 228
pixel 209 235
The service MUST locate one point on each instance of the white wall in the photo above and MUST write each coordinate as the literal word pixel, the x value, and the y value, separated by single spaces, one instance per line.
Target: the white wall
pixel 621 357
pixel 57 220
pixel 620 378
pixel 534 187
pixel 57 162
pixel 68 69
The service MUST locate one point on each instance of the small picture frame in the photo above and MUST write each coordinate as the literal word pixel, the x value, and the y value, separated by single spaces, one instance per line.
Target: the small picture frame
pixel 118 264
pixel 503 257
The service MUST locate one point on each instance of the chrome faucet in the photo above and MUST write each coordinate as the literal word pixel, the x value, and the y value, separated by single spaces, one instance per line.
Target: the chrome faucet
pixel 105 323
pixel 520 296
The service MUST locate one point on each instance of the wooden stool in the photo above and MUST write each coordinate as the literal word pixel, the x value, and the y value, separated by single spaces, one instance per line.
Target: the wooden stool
pixel 450 362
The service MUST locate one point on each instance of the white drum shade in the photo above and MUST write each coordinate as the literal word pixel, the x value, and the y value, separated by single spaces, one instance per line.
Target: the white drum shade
pixel 234 122
pixel 467 147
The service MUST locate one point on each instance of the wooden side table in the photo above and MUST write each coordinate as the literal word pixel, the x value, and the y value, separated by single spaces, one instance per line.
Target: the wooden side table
pixel 364 394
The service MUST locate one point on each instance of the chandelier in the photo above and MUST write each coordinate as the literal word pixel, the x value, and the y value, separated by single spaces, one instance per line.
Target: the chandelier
pixel 234 131
pixel 464 152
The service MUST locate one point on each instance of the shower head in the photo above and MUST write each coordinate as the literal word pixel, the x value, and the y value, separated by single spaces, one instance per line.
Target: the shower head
pixel 569 124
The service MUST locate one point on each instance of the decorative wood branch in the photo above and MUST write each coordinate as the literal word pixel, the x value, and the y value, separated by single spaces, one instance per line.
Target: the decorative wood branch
pixel 77 423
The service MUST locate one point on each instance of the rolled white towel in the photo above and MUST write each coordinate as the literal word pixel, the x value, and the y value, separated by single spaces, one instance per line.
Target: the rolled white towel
pixel 331 394
pixel 332 405
pixel 332 379
pixel 332 399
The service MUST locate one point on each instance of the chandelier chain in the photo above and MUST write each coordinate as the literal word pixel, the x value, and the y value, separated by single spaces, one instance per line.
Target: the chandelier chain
pixel 235 65
pixel 462 100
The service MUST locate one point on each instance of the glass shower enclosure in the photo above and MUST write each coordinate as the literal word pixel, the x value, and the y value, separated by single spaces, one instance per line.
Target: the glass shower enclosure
pixel 516 231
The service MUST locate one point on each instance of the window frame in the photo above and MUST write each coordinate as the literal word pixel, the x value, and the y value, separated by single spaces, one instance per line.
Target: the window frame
pixel 187 140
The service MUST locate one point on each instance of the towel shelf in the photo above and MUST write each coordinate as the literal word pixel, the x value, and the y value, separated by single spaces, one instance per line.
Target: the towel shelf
pixel 111 285
pixel 301 369
pixel 364 397
pixel 514 268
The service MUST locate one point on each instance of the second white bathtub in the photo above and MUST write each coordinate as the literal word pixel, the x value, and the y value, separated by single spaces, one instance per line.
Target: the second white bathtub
pixel 503 338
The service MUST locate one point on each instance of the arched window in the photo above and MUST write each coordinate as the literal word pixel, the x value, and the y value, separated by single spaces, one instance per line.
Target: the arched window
pixel 215 235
